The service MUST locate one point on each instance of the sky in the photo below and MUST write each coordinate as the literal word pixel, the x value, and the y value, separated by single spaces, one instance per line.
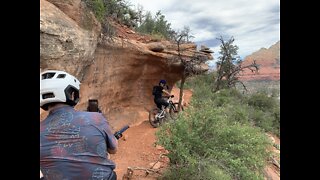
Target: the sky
pixel 254 24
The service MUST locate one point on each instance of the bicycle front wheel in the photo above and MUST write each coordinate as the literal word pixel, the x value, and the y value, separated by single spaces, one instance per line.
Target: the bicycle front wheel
pixel 152 118
pixel 174 111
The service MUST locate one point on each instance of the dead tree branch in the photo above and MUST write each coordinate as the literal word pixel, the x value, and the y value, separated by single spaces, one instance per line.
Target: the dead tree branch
pixel 191 64
pixel 148 171
pixel 229 66
pixel 275 162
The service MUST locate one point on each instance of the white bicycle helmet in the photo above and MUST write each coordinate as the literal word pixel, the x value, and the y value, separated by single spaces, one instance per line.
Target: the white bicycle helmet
pixel 58 86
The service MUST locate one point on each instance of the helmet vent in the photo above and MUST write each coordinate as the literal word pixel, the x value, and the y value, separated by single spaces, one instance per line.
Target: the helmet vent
pixel 61 76
pixel 47 95
pixel 48 75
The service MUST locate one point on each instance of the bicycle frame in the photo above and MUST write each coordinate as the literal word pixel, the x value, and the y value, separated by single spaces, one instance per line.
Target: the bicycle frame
pixel 158 116
pixel 163 112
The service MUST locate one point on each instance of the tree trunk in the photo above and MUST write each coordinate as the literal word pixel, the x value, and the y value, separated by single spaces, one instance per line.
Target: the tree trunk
pixel 183 79
pixel 217 84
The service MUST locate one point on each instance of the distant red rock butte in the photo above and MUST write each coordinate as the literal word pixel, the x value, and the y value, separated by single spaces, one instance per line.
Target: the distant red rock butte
pixel 268 61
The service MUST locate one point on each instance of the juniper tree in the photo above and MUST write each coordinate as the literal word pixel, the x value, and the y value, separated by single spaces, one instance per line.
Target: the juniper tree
pixel 229 65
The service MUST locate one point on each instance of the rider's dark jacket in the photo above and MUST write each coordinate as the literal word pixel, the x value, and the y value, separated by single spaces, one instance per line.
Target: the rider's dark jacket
pixel 158 92
pixel 158 100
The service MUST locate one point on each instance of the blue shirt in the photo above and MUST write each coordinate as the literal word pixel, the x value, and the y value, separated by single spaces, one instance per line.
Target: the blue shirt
pixel 73 145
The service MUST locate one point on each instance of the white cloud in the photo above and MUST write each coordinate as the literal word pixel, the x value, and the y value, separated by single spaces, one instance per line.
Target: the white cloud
pixel 253 23
pixel 203 34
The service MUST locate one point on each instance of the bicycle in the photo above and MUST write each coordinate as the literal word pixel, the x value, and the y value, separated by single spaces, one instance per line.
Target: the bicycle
pixel 157 116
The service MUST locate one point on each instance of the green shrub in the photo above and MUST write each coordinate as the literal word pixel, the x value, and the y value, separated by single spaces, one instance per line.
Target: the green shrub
pixel 204 170
pixel 157 36
pixel 276 122
pixel 221 135
pixel 265 112
pixel 238 113
pixel 260 100
pixel 259 118
pixel 98 7
pixel 198 82
pixel 238 150
pixel 223 98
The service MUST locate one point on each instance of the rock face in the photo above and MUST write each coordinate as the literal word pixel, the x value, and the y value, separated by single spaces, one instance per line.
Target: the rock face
pixel 78 11
pixel 122 80
pixel 119 72
pixel 63 42
pixel 269 64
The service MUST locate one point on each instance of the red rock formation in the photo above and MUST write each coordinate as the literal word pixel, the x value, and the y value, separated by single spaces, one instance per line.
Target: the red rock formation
pixel 120 72
pixel 77 11
pixel 268 61
pixel 122 80
pixel 63 43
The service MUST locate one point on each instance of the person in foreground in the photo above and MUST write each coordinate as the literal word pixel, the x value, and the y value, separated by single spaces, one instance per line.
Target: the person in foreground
pixel 74 145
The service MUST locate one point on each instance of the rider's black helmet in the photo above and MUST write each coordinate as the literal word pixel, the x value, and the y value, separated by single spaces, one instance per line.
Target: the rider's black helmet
pixel 163 81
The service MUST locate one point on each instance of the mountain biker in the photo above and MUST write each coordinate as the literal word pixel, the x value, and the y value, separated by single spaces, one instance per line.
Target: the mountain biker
pixel 157 92
pixel 73 144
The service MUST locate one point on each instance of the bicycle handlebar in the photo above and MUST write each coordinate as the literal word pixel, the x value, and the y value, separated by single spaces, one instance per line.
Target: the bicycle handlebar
pixel 118 134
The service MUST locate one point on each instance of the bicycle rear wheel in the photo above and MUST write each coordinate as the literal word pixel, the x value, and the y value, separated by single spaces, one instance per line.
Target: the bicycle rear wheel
pixel 152 118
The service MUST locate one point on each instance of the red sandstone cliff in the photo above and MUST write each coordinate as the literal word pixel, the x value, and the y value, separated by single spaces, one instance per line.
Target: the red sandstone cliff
pixel 269 64
pixel 119 71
